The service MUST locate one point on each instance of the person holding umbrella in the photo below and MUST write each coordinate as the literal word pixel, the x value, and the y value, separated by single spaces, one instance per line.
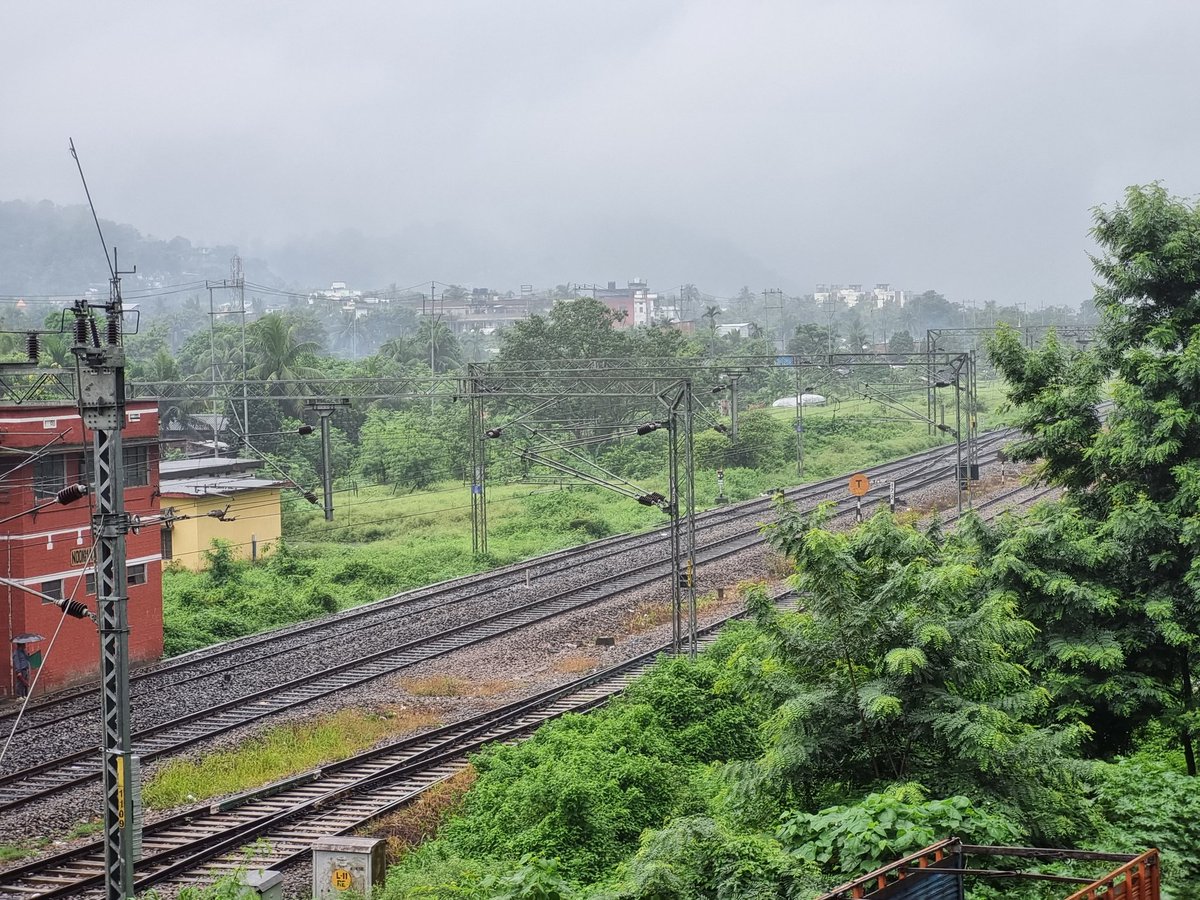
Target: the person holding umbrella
pixel 22 666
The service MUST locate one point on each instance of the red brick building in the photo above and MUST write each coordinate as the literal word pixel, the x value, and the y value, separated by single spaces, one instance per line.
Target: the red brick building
pixel 50 550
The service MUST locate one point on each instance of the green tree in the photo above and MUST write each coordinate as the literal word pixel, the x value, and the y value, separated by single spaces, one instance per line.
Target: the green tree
pixel 439 345
pixel 901 342
pixel 412 448
pixel 1134 483
pixel 856 336
pixel 279 353
pixel 400 350
pixel 810 339
pixel 573 329
pixel 904 667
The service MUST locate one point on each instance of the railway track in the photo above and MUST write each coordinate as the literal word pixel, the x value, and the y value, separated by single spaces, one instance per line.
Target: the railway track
pixel 282 820
pixel 219 659
pixel 81 766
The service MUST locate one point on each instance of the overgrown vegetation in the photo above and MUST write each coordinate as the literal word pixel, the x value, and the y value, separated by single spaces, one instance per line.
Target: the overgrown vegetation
pixel 278 753
pixel 897 708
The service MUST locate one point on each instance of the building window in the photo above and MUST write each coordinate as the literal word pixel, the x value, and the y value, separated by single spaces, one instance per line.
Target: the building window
pixel 89 582
pixel 137 466
pixel 49 476
pixel 168 544
pixel 52 589
pixel 133 575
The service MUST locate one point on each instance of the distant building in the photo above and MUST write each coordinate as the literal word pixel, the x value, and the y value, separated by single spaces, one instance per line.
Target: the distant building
pixel 337 292
pixel 194 433
pixel 741 329
pixel 633 304
pixel 249 506
pixel 50 549
pixel 884 294
pixel 485 311
pixel 853 294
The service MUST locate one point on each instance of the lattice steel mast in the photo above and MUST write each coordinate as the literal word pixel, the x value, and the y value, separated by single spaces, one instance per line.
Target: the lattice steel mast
pixel 100 381
pixel 100 366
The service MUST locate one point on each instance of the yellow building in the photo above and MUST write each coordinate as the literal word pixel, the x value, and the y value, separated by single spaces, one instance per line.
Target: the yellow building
pixel 217 498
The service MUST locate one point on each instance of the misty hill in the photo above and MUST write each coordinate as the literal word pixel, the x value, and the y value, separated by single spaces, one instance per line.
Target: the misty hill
pixel 50 249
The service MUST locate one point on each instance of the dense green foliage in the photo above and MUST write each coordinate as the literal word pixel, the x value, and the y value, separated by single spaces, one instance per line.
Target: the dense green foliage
pixel 1119 587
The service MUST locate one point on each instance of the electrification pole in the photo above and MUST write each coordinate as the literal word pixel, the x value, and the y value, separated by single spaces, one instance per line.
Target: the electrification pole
pixel 733 406
pixel 677 573
pixel 324 409
pixel 799 422
pixel 100 377
pixel 478 470
pixel 100 370
pixel 690 512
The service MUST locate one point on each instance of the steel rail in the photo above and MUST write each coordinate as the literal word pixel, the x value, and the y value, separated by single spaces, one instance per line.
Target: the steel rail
pixel 72 769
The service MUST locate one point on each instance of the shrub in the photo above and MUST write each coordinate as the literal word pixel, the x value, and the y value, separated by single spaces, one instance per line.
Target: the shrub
pixel 847 840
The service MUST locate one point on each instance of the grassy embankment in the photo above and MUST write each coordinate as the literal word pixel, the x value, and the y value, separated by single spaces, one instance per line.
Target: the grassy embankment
pixel 382 543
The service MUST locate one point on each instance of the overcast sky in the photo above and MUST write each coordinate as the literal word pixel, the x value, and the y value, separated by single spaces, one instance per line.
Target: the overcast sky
pixel 955 145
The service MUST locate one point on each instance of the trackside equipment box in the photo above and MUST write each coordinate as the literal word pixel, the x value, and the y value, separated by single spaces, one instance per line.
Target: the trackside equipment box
pixel 261 884
pixel 341 864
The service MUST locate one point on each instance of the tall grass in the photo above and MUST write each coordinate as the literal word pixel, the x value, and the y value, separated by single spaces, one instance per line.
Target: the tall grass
pixel 278 753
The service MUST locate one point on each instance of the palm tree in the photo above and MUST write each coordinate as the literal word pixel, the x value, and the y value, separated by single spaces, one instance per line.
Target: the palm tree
pixel 281 357
pixel 473 343
pixel 439 343
pixel 400 350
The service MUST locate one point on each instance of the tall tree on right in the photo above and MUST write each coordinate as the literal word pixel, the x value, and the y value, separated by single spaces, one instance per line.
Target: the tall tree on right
pixel 1114 580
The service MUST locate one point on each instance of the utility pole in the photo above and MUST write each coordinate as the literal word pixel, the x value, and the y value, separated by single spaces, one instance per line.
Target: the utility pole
pixel 781 342
pixel 100 376
pixel 236 281
pixel 212 352
pixel 325 409
pixel 733 405
pixel 239 282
